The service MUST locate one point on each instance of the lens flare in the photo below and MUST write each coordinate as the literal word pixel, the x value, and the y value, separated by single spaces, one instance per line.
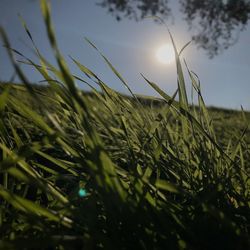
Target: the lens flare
pixel 82 192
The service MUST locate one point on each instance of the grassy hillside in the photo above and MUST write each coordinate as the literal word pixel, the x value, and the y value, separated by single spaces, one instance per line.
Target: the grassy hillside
pixel 228 124
pixel 104 171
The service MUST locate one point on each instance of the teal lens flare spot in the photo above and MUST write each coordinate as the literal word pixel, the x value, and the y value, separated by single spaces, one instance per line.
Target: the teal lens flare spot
pixel 82 192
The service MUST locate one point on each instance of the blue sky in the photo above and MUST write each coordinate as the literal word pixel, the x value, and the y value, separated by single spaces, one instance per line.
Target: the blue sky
pixel 130 46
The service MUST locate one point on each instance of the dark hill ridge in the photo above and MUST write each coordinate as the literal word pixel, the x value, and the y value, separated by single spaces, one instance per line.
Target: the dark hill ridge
pixel 227 122
pixel 146 100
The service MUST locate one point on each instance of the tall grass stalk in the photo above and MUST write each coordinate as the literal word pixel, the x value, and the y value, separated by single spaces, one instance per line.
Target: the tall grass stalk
pixel 153 177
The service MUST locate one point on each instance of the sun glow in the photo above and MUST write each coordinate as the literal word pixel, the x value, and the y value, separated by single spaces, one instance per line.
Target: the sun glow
pixel 165 54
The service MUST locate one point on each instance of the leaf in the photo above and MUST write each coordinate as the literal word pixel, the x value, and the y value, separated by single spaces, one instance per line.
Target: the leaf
pixel 164 185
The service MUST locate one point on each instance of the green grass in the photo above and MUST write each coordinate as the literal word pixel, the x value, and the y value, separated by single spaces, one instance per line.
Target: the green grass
pixel 166 176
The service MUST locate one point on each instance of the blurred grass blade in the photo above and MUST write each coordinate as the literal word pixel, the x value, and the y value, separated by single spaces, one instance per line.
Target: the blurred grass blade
pixel 32 207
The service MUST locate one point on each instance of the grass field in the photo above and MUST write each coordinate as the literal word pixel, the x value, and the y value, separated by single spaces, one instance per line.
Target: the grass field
pixel 106 171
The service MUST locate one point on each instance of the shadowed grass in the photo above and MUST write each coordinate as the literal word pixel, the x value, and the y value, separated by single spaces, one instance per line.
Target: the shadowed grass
pixel 153 177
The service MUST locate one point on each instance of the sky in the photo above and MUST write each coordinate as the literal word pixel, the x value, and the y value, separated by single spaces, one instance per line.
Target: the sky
pixel 130 46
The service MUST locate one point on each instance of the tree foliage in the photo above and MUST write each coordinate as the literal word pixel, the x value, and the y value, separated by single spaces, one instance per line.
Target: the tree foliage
pixel 215 24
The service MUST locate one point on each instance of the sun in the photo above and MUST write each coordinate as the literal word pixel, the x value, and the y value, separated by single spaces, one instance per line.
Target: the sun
pixel 165 54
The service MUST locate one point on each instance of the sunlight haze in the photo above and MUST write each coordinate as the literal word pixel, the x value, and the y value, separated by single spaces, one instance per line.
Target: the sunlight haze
pixel 165 54
pixel 131 46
